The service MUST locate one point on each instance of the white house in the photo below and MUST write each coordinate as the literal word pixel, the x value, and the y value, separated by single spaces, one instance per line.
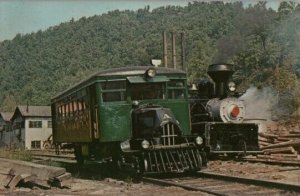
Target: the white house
pixel 31 126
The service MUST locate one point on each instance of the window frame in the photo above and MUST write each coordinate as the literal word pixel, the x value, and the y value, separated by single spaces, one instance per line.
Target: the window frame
pixel 173 89
pixel 120 91
pixel 36 144
pixel 34 124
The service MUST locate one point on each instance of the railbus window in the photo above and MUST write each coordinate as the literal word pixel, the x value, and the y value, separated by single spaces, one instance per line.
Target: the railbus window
pixel 71 108
pixel 83 105
pixel 75 108
pixel 143 91
pixel 67 110
pixel 176 89
pixel 59 112
pixel 63 111
pixel 80 107
pixel 113 91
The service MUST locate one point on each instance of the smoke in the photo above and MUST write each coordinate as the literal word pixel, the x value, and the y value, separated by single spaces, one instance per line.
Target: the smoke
pixel 259 103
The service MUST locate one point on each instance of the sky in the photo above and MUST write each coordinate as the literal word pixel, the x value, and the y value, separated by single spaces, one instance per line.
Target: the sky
pixel 26 16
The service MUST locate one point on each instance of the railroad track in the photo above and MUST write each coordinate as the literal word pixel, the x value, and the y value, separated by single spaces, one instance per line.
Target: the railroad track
pixel 208 182
pixel 51 156
pixel 217 184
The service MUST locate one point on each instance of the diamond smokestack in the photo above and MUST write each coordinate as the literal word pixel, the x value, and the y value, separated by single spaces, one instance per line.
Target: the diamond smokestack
pixel 220 74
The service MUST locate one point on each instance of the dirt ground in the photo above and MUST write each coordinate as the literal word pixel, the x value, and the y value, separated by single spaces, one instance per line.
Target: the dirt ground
pixel 103 187
pixel 108 186
pixel 286 174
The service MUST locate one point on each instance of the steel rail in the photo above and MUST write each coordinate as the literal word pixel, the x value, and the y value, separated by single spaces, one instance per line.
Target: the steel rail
pixel 252 181
pixel 187 187
pixel 196 184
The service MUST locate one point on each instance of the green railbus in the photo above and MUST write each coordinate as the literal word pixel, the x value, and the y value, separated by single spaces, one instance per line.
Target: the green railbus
pixel 136 116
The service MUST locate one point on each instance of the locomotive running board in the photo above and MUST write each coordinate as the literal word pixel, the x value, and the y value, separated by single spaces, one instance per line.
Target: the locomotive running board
pixel 237 152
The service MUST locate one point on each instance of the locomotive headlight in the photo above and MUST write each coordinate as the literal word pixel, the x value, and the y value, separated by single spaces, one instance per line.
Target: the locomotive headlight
pixel 231 86
pixel 151 72
pixel 145 144
pixel 199 140
pixel 125 146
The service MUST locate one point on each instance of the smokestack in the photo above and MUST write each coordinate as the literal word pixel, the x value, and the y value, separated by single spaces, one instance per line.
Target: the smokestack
pixel 27 108
pixel 220 74
pixel 174 50
pixel 182 51
pixel 165 49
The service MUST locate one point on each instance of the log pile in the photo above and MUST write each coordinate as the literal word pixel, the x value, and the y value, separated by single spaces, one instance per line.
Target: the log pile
pixel 279 145
pixel 15 172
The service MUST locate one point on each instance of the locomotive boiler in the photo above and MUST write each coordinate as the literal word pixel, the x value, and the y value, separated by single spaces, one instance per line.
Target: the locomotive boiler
pixel 218 113
pixel 136 116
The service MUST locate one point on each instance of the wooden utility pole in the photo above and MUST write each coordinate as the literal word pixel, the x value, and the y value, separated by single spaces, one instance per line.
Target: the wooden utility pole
pixel 182 52
pixel 165 45
pixel 174 49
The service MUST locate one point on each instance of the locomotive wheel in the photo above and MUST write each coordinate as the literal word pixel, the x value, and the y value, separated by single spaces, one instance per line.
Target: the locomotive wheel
pixel 243 146
pixel 78 156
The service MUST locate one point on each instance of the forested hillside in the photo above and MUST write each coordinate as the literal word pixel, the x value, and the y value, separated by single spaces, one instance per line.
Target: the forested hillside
pixel 263 43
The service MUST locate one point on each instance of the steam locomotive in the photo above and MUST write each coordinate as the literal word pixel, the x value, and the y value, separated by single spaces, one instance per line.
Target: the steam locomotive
pixel 136 116
pixel 218 114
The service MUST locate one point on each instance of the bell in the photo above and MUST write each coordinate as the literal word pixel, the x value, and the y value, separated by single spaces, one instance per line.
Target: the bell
pixel 194 87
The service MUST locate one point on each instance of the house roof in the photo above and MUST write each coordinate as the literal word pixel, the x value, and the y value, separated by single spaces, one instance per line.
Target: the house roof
pixel 6 115
pixel 37 111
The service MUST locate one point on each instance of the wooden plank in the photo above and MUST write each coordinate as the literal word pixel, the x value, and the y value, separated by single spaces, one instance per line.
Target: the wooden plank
pixel 283 144
pixel 5 179
pixel 291 135
pixel 282 139
pixel 276 158
pixel 42 172
pixel 65 176
pixel 267 135
pixel 263 139
pixel 15 180
pixel 263 143
pixel 289 150
pixel 297 163
pixel 27 177
pixel 295 132
pixel 285 155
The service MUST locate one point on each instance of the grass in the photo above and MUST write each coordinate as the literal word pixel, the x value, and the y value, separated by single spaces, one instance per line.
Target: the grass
pixel 23 155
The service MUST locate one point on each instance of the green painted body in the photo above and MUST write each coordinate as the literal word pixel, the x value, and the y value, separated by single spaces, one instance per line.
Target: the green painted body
pixel 115 122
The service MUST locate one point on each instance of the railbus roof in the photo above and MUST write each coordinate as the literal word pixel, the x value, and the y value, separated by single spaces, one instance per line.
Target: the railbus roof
pixel 121 73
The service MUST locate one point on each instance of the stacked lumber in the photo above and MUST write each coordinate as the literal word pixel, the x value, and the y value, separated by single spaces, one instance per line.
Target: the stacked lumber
pixel 15 172
pixel 279 145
